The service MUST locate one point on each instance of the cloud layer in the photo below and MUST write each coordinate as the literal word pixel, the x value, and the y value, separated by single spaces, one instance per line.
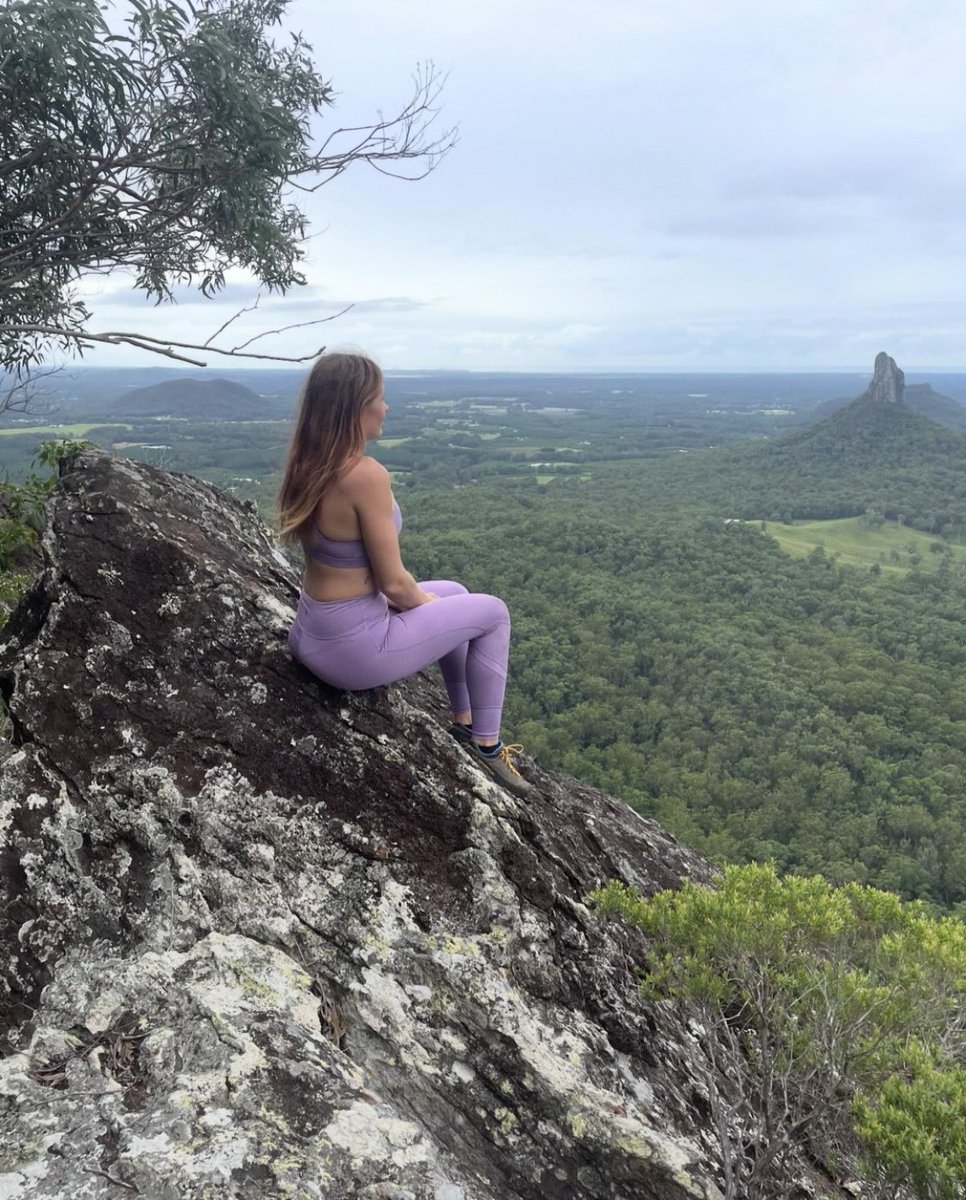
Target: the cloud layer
pixel 676 185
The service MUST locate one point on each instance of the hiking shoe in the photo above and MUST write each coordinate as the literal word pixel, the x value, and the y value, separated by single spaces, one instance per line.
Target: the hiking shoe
pixel 500 766
pixel 462 733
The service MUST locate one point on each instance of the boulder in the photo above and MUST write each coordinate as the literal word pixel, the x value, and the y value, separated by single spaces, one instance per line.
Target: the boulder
pixel 263 938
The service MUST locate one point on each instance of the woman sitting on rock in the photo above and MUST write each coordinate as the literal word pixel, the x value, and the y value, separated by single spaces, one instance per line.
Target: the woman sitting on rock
pixel 362 619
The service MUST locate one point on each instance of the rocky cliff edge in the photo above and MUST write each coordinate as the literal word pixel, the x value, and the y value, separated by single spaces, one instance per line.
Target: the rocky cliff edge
pixel 262 938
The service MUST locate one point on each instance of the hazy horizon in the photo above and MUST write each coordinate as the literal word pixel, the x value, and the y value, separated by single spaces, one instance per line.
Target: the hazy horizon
pixel 661 188
pixel 237 365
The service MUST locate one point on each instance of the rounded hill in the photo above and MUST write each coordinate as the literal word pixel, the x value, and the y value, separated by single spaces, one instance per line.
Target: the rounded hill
pixel 199 399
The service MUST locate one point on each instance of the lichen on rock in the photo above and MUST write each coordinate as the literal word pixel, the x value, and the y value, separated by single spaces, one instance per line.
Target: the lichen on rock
pixel 261 938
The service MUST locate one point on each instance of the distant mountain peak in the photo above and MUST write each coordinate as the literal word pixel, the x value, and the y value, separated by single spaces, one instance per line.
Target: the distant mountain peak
pixel 888 382
pixel 205 399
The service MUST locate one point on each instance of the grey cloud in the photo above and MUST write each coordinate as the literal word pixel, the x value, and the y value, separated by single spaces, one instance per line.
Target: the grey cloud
pixel 237 297
pixel 810 213
pixel 381 304
pixel 835 177
pixel 760 219
pixel 708 185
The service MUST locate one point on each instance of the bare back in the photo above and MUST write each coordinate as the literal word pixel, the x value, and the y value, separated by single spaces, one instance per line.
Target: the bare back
pixel 337 517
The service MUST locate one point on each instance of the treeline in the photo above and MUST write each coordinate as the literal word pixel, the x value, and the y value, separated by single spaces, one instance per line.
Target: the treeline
pixel 760 707
pixel 867 457
pixel 252 448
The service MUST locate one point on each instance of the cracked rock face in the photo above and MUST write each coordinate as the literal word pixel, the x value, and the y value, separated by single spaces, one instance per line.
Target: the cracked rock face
pixel 888 383
pixel 261 938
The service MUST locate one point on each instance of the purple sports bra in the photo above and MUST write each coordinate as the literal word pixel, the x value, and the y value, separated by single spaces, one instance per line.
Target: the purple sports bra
pixel 343 552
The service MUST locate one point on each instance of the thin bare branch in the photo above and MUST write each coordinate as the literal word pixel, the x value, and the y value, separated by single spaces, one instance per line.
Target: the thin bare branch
pixel 286 328
pixel 162 346
pixel 234 317
pixel 20 393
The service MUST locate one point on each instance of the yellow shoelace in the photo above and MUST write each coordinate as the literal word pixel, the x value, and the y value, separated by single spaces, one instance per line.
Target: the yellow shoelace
pixel 504 756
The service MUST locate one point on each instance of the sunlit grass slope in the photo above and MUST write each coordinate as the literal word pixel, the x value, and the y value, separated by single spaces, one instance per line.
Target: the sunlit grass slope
pixel 894 547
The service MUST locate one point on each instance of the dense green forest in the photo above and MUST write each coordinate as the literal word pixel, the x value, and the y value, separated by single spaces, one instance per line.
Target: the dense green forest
pixel 867 457
pixel 759 706
pixel 666 648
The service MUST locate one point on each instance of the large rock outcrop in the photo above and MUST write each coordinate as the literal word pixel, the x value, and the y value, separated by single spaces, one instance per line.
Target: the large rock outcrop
pixel 888 383
pixel 261 938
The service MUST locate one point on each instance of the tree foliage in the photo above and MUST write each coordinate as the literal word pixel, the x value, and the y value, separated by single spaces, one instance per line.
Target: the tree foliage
pixel 829 1013
pixel 22 519
pixel 171 146
pixel 759 706
pixel 883 459
pixel 915 1129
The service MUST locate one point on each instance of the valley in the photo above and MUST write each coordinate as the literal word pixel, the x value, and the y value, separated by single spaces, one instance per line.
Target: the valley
pixel 745 617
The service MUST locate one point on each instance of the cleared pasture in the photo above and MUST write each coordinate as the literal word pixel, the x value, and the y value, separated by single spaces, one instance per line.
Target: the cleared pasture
pixel 893 547
pixel 53 432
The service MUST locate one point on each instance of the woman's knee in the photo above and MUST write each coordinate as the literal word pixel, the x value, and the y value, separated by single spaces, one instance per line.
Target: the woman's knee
pixel 496 610
pixel 444 587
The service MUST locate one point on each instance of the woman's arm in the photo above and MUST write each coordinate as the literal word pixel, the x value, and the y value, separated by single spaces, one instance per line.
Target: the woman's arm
pixel 368 488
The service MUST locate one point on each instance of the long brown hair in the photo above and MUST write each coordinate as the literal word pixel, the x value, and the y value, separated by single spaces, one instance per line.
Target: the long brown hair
pixel 328 433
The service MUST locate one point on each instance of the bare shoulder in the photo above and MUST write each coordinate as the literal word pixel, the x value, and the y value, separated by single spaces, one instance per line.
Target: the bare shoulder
pixel 365 478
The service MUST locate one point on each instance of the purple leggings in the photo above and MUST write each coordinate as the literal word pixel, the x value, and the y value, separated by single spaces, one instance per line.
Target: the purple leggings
pixel 363 643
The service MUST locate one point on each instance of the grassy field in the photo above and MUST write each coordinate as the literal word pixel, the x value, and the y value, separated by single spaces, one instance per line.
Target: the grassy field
pixel 53 432
pixel 894 548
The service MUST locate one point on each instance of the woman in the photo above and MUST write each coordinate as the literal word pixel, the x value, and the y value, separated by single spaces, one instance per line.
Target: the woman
pixel 362 619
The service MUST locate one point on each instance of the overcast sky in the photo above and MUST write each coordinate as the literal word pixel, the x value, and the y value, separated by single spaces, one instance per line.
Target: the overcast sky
pixel 639 185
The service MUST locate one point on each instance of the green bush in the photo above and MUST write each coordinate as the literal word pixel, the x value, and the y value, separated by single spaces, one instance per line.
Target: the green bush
pixel 831 1012
pixel 915 1129
pixel 22 519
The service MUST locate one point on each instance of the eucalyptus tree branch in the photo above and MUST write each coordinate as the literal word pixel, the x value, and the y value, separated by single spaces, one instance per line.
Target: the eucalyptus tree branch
pixel 234 317
pixel 174 147
pixel 19 394
pixel 299 325
pixel 166 346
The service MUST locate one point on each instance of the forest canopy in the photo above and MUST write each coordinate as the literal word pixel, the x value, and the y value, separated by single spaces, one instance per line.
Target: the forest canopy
pixel 759 706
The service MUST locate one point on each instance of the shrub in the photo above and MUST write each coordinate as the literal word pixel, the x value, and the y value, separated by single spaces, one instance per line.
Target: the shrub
pixel 811 1002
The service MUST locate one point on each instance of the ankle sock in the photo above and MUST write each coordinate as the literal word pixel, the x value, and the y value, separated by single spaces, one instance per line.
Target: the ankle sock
pixel 490 751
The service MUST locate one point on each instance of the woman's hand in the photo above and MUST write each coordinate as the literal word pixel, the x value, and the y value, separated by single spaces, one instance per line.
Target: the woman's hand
pixel 424 598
